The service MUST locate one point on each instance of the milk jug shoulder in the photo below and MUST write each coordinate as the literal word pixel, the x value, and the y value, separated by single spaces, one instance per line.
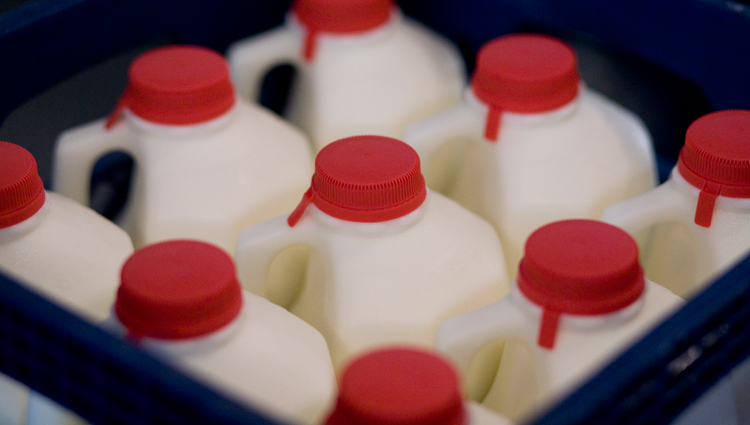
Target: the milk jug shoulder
pixel 181 301
pixel 388 260
pixel 362 68
pixel 697 223
pixel 579 299
pixel 531 144
pixel 405 385
pixel 206 163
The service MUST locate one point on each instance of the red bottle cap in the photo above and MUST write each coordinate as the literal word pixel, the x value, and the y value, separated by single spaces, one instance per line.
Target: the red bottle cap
pixel 716 159
pixel 581 267
pixel 21 188
pixel 339 17
pixel 177 85
pixel 398 386
pixel 365 179
pixel 177 289
pixel 525 73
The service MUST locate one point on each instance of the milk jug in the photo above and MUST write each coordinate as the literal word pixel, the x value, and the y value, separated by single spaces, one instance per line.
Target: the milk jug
pixel 699 219
pixel 59 249
pixel 389 260
pixel 407 386
pixel 55 246
pixel 531 144
pixel 181 301
pixel 579 299
pixel 362 68
pixel 206 164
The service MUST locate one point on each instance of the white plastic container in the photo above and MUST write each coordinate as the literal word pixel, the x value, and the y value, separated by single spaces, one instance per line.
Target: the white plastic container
pixel 531 144
pixel 362 68
pixel 388 261
pixel 181 301
pixel 580 298
pixel 405 386
pixel 59 249
pixel 206 164
pixel 699 218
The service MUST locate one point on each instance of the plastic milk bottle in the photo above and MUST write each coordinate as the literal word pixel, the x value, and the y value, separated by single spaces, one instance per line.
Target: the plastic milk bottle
pixel 207 164
pixel 406 386
pixel 389 260
pixel 531 144
pixel 362 68
pixel 579 299
pixel 700 217
pixel 59 249
pixel 181 301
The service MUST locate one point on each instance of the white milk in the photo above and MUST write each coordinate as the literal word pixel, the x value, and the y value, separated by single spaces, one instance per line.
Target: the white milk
pixel 531 144
pixel 59 249
pixel 388 261
pixel 407 386
pixel 181 301
pixel 362 68
pixel 580 298
pixel 700 217
pixel 206 164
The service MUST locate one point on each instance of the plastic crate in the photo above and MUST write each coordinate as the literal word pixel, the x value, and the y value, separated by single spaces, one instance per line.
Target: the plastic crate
pixel 699 48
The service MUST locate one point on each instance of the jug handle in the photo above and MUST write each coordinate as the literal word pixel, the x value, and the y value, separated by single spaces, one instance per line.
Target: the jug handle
pixel 629 123
pixel 252 58
pixel 660 205
pixel 258 245
pixel 462 337
pixel 427 136
pixel 76 153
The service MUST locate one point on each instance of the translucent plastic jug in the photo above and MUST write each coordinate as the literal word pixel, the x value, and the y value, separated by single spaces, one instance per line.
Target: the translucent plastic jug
pixel 206 163
pixel 699 219
pixel 579 299
pixel 389 260
pixel 59 249
pixel 181 301
pixel 362 68
pixel 531 144
pixel 406 386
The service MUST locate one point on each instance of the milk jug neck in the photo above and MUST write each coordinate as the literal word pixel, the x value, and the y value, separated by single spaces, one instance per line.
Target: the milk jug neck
pixel 716 159
pixel 184 130
pixel 524 73
pixel 380 228
pixel 177 85
pixel 169 348
pixel 527 118
pixel 178 291
pixel 365 179
pixel 581 268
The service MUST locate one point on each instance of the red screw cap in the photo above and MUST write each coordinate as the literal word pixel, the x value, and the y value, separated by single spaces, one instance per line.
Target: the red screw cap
pixel 365 179
pixel 177 85
pixel 178 289
pixel 581 267
pixel 339 17
pixel 398 386
pixel 524 73
pixel 716 159
pixel 21 188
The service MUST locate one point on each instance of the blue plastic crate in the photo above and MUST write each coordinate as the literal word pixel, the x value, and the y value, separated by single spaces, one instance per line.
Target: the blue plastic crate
pixel 698 49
